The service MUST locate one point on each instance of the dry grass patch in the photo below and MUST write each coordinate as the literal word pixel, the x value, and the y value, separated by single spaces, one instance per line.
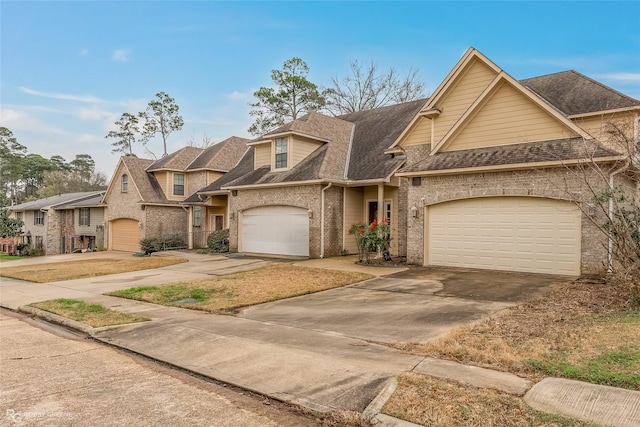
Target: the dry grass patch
pixel 436 403
pixel 58 271
pixel 227 293
pixel 579 330
pixel 94 315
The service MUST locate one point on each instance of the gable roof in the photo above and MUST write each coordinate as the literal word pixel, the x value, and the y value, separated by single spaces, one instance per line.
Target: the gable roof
pixel 501 79
pixel 528 154
pixel 573 93
pixel 244 166
pixel 354 148
pixel 221 156
pixel 178 160
pixel 145 182
pixel 375 131
pixel 55 201
pixel 92 202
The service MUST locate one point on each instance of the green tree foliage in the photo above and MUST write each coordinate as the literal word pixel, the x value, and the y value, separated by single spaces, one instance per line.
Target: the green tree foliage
pixel 78 175
pixel 161 117
pixel 292 97
pixel 34 168
pixel 11 155
pixel 366 88
pixel 127 134
pixel 9 227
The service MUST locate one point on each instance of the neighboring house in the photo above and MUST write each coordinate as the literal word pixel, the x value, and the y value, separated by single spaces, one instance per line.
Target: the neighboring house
pixel 497 170
pixel 64 223
pixel 486 173
pixel 298 189
pixel 145 198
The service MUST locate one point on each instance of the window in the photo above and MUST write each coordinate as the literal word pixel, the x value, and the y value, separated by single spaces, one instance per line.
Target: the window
pixel 125 183
pixel 282 147
pixel 39 242
pixel 197 215
pixel 19 216
pixel 178 184
pixel 38 218
pixel 84 216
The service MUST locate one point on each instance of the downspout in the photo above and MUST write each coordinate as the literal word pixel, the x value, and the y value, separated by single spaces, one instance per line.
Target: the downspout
pixel 610 238
pixel 189 225
pixel 322 219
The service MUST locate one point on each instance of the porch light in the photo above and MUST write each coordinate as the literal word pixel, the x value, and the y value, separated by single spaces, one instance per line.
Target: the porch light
pixel 27 234
pixel 414 211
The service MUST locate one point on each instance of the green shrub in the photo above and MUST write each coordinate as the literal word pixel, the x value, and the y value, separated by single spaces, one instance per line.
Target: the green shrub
pixel 218 241
pixel 158 244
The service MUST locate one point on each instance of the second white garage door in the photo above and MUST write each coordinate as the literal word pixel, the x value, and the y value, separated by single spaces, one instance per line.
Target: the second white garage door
pixel 505 233
pixel 277 230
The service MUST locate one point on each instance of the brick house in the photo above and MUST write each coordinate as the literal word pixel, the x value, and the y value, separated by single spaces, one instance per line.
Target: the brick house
pixel 489 172
pixel 503 172
pixel 299 188
pixel 64 223
pixel 145 197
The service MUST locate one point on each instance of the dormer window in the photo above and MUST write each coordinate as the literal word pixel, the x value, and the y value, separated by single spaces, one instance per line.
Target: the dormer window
pixel 281 151
pixel 178 184
pixel 124 181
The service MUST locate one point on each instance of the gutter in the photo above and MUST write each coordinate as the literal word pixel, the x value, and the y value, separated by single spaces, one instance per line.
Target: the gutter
pixel 322 220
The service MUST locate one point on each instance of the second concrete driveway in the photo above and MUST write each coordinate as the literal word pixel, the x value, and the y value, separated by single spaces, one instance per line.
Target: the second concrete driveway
pixel 415 305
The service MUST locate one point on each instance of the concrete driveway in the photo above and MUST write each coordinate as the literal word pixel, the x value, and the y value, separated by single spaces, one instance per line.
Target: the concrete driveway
pixel 415 305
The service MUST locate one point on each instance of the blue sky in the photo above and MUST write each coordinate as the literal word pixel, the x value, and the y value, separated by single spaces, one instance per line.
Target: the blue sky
pixel 68 70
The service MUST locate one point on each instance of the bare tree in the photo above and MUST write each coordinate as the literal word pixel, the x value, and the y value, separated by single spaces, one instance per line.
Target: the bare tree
pixel 612 200
pixel 366 88
pixel 205 142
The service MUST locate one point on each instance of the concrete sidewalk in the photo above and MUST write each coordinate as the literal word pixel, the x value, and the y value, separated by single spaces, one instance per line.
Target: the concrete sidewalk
pixel 317 369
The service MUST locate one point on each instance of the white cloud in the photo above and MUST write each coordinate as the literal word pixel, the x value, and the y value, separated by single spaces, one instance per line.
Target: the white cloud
pixel 93 113
pixel 62 96
pixel 239 96
pixel 121 55
pixel 621 77
pixel 87 138
pixel 15 119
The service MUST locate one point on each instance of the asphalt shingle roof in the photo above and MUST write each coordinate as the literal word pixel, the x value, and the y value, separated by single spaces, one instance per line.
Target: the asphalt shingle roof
pixel 178 160
pixel 573 93
pixel 54 201
pixel 244 166
pixel 530 152
pixel 145 182
pixel 222 156
pixel 375 131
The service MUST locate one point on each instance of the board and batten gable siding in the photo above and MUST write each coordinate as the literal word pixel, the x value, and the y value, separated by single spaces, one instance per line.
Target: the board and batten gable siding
pixel 300 148
pixel 353 213
pixel 419 134
pixel 458 98
pixel 262 155
pixel 96 218
pixel 507 117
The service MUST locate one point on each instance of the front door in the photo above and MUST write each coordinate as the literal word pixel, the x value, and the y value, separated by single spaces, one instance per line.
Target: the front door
pixel 216 222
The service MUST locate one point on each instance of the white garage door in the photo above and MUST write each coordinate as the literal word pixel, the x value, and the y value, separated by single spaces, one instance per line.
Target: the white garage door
pixel 125 235
pixel 278 230
pixel 505 233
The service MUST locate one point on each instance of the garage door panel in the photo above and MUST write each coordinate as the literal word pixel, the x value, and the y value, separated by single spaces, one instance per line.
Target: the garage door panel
pixel 277 230
pixel 125 235
pixel 506 233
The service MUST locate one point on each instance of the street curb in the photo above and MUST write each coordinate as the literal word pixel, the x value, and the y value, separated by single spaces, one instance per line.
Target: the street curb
pixel 372 412
pixel 55 319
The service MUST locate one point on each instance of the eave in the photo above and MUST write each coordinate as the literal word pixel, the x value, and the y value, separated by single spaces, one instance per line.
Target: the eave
pixel 515 166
